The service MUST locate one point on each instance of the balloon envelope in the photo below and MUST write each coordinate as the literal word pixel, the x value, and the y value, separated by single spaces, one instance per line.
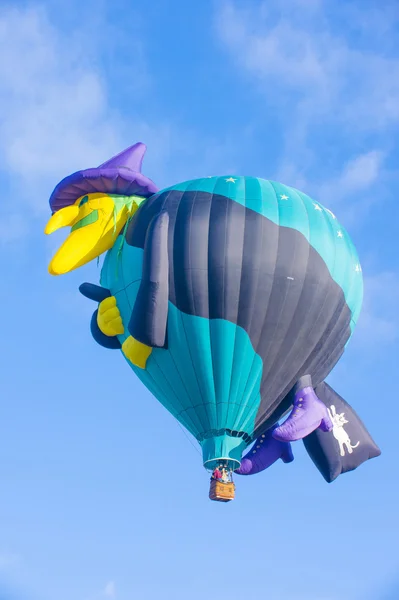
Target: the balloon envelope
pixel 264 286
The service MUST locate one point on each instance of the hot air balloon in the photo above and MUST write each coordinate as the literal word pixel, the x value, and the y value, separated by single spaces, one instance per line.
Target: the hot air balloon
pixel 232 299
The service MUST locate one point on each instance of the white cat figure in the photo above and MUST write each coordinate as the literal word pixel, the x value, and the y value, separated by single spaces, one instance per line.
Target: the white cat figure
pixel 338 420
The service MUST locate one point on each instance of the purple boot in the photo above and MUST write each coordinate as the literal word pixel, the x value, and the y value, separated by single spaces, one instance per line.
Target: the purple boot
pixel 264 453
pixel 308 414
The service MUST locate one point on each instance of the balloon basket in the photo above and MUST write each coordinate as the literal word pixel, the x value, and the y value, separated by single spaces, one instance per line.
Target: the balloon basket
pixel 221 492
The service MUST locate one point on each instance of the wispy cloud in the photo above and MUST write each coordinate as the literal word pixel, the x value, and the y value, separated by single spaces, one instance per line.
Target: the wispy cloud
pixel 110 590
pixel 353 190
pixel 300 47
pixel 361 172
pixel 53 106
pixel 379 322
pixel 330 76
pixel 265 40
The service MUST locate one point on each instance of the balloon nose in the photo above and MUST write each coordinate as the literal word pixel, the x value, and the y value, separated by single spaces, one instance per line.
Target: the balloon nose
pixel 62 218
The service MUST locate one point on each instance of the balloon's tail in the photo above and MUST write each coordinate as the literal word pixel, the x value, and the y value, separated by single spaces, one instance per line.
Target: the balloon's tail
pixel 347 445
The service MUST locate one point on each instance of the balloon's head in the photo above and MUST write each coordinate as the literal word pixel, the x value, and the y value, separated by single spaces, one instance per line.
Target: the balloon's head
pixel 96 220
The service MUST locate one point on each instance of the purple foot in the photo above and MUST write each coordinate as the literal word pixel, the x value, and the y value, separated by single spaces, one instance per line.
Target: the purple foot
pixel 308 414
pixel 264 453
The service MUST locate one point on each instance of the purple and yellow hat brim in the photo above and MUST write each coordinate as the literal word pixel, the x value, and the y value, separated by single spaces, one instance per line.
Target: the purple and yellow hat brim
pixel 121 181
pixel 120 175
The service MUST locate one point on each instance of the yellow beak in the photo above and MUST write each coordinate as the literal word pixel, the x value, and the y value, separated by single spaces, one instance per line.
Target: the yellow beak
pixel 62 218
pixel 95 227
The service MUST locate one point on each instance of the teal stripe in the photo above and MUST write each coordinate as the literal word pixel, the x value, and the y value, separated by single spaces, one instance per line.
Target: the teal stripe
pixel 222 446
pixel 222 344
pixel 122 266
pixel 202 374
pixel 198 347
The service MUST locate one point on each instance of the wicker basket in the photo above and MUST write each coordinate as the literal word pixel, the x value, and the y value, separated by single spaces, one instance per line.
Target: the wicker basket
pixel 221 492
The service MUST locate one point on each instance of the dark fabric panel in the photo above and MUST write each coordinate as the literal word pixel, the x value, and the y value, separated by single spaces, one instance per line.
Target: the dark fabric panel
pixel 317 360
pixel 191 236
pixel 229 262
pixel 256 271
pixel 344 448
pixel 149 317
pixel 94 292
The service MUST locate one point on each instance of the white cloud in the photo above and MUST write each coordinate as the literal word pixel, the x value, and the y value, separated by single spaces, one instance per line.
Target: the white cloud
pixel 350 191
pixel 330 76
pixel 358 173
pixel 379 321
pixel 53 106
pixel 296 49
pixel 270 49
pixel 110 590
pixel 361 172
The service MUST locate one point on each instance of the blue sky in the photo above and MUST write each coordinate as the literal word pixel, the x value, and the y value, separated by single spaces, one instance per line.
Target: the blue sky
pixel 304 92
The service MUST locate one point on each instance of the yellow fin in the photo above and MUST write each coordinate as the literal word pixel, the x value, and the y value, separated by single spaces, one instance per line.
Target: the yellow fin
pixel 136 352
pixel 109 318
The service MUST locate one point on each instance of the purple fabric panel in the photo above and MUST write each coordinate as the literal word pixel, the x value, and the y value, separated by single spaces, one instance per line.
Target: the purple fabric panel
pixel 109 180
pixel 120 175
pixel 263 454
pixel 132 158
pixel 308 414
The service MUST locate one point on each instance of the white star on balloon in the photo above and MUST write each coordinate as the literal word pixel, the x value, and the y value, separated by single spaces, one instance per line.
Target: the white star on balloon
pixel 358 268
pixel 284 197
pixel 340 234
pixel 231 179
pixel 317 206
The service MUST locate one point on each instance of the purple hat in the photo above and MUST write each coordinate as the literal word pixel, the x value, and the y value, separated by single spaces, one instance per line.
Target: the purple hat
pixel 119 175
